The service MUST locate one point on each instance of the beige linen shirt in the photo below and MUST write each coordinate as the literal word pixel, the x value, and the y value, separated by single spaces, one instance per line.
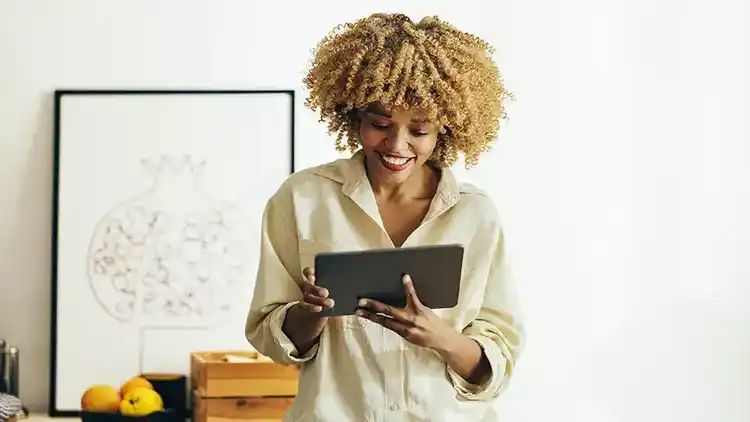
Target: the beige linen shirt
pixel 360 371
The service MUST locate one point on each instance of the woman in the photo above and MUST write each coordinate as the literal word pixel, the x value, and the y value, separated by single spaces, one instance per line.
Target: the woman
pixel 406 98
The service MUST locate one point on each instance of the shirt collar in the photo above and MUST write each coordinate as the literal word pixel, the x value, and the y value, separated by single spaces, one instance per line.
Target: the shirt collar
pixel 350 172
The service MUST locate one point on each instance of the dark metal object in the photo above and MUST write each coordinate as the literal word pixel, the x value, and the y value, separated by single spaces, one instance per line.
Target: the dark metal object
pixel 10 390
pixel 3 366
pixel 14 371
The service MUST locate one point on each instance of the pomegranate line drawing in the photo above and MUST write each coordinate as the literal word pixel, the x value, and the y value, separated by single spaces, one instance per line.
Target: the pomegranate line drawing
pixel 172 256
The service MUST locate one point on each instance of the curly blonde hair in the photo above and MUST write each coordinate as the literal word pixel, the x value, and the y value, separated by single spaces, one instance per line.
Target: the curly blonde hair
pixel 430 65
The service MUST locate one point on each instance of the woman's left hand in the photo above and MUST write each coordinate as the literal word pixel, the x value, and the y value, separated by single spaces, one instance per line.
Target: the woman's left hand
pixel 416 323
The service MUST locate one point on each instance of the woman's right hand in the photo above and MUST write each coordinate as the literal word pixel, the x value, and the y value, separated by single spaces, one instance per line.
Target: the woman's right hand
pixel 303 323
pixel 314 299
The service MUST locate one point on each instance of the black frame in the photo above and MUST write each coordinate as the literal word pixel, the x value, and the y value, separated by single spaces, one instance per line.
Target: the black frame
pixel 53 411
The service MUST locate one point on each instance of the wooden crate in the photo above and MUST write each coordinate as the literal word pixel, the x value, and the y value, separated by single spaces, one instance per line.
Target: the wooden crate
pixel 212 377
pixel 250 409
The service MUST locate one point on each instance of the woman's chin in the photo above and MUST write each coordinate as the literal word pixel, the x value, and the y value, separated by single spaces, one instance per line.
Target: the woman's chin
pixel 385 172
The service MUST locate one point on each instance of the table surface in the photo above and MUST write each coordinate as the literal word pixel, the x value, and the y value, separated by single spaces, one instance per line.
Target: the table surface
pixel 43 417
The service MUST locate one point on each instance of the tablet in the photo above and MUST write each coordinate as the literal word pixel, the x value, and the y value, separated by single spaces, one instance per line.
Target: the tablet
pixel 377 274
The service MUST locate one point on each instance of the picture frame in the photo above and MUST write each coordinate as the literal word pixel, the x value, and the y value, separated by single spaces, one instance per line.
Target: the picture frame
pixel 157 204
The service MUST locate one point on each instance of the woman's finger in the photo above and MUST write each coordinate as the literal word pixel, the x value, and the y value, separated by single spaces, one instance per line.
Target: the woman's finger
pixel 412 301
pixel 312 299
pixel 398 327
pixel 311 289
pixel 310 307
pixel 375 307
pixel 309 274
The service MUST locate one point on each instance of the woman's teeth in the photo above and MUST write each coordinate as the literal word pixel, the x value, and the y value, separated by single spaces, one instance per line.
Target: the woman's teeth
pixel 396 161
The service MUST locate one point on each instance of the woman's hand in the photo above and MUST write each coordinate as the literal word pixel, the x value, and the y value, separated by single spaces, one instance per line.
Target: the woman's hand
pixel 303 323
pixel 416 323
pixel 314 298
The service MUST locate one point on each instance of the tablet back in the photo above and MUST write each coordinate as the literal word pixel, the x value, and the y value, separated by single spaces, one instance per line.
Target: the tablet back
pixel 377 274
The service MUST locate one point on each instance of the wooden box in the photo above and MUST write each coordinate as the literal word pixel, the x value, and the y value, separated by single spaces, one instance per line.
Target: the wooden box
pixel 213 376
pixel 249 409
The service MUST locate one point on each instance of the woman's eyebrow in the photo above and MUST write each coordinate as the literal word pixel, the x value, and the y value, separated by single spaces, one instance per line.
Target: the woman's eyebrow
pixel 381 113
pixel 378 112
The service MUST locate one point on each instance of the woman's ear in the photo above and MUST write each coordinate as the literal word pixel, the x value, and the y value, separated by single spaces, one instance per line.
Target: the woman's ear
pixel 352 116
pixel 354 123
pixel 437 159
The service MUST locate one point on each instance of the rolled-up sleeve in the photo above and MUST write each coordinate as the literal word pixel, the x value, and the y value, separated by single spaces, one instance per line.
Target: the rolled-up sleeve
pixel 497 329
pixel 276 289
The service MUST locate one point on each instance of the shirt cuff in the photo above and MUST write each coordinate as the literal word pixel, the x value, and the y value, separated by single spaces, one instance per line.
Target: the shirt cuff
pixel 490 386
pixel 289 351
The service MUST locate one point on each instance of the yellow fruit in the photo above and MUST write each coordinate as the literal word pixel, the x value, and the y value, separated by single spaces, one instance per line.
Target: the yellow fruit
pixel 141 401
pixel 101 398
pixel 133 383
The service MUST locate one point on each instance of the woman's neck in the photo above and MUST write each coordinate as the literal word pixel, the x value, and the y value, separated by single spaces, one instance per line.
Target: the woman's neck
pixel 421 184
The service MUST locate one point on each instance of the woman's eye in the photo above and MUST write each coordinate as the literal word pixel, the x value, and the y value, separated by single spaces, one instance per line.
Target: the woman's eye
pixel 380 125
pixel 418 133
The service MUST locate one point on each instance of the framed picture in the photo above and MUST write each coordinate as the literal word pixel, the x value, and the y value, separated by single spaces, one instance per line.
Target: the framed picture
pixel 158 198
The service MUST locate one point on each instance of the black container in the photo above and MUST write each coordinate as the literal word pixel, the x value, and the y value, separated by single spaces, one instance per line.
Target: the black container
pixel 168 415
pixel 173 390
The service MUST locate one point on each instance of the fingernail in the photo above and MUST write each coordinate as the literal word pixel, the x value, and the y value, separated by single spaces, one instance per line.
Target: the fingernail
pixel 407 278
pixel 363 302
pixel 359 313
pixel 323 292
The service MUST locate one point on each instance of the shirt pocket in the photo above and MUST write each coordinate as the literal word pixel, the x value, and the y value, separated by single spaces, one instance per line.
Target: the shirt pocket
pixel 308 248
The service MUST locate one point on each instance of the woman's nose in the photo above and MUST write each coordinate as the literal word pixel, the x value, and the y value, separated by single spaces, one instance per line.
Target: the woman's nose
pixel 398 140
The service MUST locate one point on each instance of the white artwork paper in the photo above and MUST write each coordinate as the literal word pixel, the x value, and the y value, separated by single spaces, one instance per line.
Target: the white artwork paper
pixel 160 198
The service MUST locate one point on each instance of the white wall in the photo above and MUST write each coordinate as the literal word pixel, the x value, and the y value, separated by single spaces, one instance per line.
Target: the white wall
pixel 622 175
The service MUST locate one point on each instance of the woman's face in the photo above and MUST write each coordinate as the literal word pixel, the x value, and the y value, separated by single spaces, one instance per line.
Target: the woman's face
pixel 396 142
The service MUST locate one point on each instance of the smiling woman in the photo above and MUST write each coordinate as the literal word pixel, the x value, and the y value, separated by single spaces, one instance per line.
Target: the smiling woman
pixel 447 74
pixel 406 98
pixel 398 138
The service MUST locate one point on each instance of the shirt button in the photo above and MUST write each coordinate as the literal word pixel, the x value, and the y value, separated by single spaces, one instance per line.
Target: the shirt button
pixel 394 407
